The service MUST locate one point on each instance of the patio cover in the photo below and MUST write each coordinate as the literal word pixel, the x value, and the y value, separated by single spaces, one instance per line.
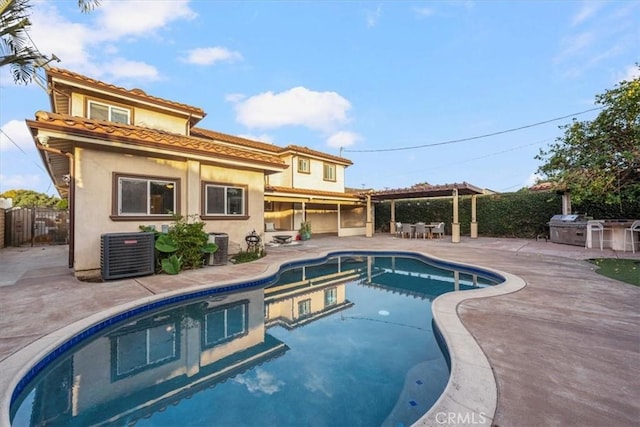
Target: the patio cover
pixel 423 191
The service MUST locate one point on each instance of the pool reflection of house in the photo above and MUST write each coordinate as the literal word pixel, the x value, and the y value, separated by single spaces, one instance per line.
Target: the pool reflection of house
pixel 305 294
pixel 156 361
pixel 392 274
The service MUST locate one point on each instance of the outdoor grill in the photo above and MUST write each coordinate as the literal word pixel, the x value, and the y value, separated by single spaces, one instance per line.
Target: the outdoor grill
pixel 568 229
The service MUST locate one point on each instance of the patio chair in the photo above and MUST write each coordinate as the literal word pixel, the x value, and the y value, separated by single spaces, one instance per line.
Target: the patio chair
pixel 421 229
pixel 635 228
pixel 438 230
pixel 407 229
pixel 398 229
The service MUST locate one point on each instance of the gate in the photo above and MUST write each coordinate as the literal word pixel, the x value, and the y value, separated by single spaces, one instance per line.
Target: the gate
pixel 42 226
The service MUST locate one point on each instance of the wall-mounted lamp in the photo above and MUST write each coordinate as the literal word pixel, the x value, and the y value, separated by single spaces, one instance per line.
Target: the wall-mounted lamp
pixel 66 178
pixel 43 140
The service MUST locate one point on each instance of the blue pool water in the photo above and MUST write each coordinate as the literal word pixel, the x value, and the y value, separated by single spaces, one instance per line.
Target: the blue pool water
pixel 347 340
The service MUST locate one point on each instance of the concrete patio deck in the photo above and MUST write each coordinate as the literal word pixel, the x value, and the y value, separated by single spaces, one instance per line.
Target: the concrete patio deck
pixel 564 350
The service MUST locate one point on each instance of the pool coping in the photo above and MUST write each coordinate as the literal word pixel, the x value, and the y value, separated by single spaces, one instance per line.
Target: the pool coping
pixel 470 393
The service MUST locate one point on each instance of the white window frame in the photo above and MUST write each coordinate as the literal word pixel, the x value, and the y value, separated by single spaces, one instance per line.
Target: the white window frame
pixel 148 181
pixel 304 307
pixel 147 333
pixel 330 297
pixel 110 111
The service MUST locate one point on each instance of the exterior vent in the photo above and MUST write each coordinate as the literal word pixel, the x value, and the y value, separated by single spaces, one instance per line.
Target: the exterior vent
pixel 126 255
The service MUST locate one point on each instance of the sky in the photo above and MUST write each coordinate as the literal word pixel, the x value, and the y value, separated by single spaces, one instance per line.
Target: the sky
pixel 411 92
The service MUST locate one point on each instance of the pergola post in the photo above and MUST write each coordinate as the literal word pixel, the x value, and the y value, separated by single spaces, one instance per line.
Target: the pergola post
pixel 369 230
pixel 455 226
pixel 474 223
pixel 392 226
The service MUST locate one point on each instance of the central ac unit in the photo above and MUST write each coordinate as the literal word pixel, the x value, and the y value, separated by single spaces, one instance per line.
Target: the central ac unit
pixel 125 255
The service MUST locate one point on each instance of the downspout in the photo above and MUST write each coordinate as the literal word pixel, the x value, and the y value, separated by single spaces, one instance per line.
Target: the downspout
pixel 72 191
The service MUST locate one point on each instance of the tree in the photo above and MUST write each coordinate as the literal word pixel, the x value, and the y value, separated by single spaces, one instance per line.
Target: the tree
pixel 16 48
pixel 30 198
pixel 600 158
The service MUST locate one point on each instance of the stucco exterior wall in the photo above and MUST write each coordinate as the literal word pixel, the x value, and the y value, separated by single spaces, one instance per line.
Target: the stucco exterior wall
pixel 93 200
pixel 237 229
pixel 310 181
pixel 315 179
pixel 141 116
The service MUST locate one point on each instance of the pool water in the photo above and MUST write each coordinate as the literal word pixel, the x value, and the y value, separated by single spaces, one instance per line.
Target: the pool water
pixel 346 341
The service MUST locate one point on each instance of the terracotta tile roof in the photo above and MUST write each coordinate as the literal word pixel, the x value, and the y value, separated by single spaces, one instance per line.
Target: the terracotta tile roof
pixel 129 93
pixel 213 135
pixel 307 192
pixel 426 190
pixel 145 137
pixel 205 133
pixel 547 186
pixel 308 151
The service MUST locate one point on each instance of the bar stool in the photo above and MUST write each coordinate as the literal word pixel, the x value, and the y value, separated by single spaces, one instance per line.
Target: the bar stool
pixel 635 228
pixel 597 227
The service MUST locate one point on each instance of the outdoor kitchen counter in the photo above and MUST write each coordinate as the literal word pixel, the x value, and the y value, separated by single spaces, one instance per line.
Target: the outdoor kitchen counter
pixel 613 235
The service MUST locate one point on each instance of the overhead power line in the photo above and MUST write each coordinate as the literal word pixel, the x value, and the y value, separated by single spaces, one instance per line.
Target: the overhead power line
pixel 454 141
pixel 23 152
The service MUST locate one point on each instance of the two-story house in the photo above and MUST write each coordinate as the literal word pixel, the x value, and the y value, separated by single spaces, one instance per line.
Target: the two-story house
pixel 124 158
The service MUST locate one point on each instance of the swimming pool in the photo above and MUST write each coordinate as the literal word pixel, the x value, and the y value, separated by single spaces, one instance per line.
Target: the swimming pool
pixel 342 340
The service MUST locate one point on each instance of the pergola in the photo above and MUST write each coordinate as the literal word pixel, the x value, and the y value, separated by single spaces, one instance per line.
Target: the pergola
pixel 425 191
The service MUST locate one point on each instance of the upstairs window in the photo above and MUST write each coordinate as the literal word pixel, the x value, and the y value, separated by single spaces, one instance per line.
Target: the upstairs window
pixel 304 165
pixel 329 172
pixel 224 200
pixel 330 297
pixel 146 196
pixel 110 113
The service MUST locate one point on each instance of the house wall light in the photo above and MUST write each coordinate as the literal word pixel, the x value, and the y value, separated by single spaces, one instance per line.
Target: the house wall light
pixel 43 140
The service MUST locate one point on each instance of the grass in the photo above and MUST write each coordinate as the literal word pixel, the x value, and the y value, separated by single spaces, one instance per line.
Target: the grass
pixel 625 270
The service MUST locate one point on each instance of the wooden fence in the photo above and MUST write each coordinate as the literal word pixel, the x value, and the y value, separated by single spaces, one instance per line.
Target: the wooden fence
pixel 36 226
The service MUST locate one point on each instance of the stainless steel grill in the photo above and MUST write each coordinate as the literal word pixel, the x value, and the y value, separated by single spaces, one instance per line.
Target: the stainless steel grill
pixel 568 229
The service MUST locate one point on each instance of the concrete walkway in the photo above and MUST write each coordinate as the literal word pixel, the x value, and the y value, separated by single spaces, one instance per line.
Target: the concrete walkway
pixel 564 350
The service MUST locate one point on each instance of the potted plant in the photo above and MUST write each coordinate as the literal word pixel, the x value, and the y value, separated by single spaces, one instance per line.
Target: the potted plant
pixel 305 230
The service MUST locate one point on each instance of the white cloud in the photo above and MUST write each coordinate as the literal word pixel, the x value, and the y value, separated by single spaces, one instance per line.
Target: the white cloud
pixel 118 18
pixel 120 68
pixel 25 182
pixel 373 16
pixel 54 34
pixel 606 31
pixel 295 107
pixel 424 11
pixel 15 136
pixel 575 44
pixel 263 382
pixel 532 179
pixel 630 73
pixel 343 139
pixel 234 97
pixel 92 47
pixel 260 138
pixel 587 10
pixel 211 55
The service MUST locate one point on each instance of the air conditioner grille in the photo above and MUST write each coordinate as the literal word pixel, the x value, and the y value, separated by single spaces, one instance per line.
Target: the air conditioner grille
pixel 125 255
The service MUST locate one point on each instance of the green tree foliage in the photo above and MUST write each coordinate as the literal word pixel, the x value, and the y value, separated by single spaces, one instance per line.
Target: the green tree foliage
pixel 16 49
pixel 30 198
pixel 600 159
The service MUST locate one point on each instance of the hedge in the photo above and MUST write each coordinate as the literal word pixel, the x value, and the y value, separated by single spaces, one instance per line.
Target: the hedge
pixel 522 214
